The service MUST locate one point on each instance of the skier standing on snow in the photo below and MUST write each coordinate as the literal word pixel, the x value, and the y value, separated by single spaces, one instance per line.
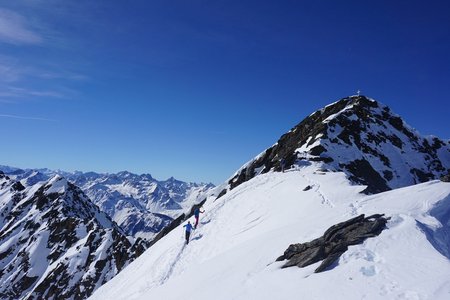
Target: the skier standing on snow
pixel 197 212
pixel 188 231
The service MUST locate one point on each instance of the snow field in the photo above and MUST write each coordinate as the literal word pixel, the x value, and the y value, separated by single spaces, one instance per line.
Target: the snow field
pixel 231 255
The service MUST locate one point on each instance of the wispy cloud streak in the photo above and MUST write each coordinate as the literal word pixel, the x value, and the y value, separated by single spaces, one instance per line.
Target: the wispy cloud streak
pixel 26 118
pixel 16 92
pixel 15 30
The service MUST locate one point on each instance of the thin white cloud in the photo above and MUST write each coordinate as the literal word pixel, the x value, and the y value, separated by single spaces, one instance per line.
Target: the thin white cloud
pixel 16 92
pixel 15 76
pixel 26 118
pixel 15 30
pixel 23 91
pixel 8 73
pixel 61 75
pixel 13 69
pixel 27 76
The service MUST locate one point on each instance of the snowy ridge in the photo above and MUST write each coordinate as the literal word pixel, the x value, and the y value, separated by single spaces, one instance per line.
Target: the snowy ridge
pixel 232 254
pixel 55 243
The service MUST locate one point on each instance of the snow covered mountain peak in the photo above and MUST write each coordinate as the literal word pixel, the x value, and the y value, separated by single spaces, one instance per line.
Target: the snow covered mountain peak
pixel 361 137
pixel 60 195
pixel 57 184
pixel 55 243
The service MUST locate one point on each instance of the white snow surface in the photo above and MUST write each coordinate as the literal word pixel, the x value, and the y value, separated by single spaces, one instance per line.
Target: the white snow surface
pixel 232 253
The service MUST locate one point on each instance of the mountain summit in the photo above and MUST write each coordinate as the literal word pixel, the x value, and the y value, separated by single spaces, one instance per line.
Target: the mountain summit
pixel 361 137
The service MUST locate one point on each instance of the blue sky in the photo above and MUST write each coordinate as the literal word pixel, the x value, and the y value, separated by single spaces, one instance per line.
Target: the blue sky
pixel 194 89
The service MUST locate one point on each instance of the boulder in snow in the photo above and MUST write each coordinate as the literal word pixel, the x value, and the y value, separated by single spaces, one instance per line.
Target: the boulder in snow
pixel 334 242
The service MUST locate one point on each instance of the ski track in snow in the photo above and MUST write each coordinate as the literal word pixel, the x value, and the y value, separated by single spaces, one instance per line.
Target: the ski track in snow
pixel 354 208
pixel 253 223
pixel 173 265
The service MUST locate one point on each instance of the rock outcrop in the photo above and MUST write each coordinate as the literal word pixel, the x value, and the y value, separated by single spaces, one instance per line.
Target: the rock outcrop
pixel 334 242
pixel 445 178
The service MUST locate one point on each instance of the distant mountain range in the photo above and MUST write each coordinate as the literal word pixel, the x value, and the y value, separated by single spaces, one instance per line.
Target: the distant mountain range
pixel 139 204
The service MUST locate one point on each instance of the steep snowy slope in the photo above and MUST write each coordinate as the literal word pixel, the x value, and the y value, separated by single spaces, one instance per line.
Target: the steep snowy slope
pixel 55 243
pixel 232 254
pixel 362 138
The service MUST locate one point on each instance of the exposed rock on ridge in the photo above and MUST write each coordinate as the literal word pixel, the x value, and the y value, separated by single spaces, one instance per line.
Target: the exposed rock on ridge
pixel 334 242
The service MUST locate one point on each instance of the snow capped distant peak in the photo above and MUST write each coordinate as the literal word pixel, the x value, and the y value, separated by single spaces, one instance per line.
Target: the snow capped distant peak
pixel 57 184
pixel 126 174
pixel 147 176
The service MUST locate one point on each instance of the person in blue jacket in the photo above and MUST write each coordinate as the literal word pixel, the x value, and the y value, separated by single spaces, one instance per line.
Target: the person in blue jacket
pixel 197 212
pixel 188 231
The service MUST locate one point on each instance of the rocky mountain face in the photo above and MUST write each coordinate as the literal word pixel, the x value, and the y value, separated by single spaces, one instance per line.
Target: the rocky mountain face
pixel 139 204
pixel 55 243
pixel 362 138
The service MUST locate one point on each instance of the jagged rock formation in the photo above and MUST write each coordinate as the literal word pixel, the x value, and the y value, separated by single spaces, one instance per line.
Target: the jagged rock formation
pixel 334 242
pixel 362 138
pixel 55 243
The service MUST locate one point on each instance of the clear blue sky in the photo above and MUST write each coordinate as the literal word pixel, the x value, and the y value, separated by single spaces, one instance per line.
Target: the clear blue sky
pixel 194 89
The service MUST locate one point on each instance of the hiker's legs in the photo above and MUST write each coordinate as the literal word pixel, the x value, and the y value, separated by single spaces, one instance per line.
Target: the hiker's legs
pixel 187 237
pixel 196 222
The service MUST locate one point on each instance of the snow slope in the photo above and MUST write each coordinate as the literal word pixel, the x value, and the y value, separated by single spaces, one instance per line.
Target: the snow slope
pixel 231 255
